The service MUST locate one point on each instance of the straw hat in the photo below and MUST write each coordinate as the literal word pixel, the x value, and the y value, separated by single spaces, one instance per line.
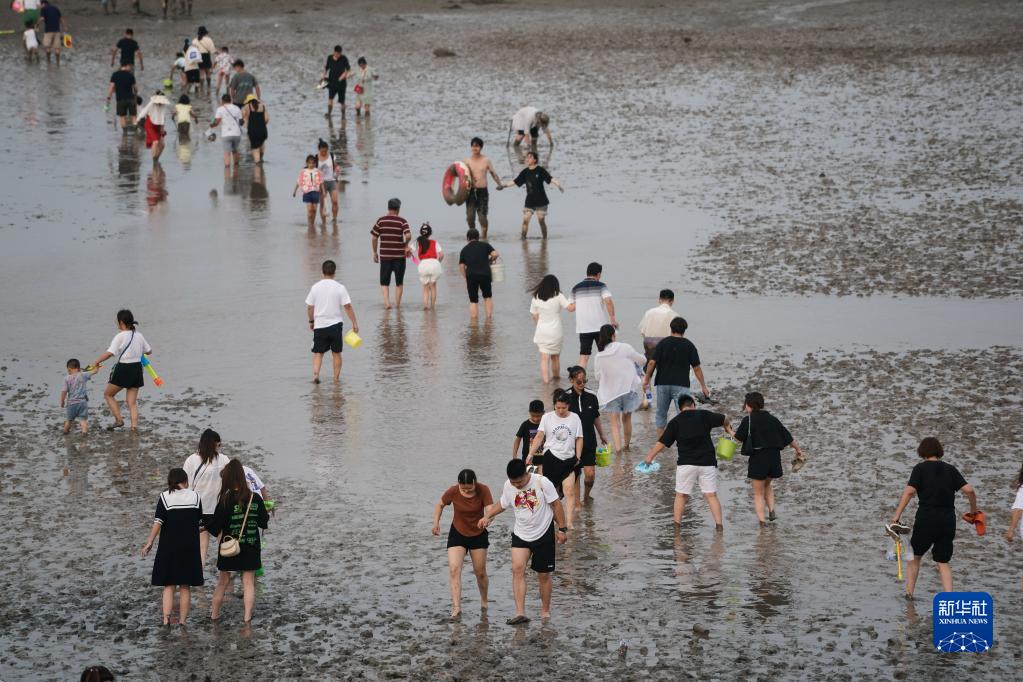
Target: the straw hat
pixel 249 98
pixel 158 98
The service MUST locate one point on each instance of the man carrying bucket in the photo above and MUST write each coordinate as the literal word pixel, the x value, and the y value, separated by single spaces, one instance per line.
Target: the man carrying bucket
pixel 690 431
pixel 324 303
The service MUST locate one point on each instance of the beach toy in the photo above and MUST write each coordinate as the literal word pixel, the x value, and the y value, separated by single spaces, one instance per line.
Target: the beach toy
pixel 152 371
pixel 497 272
pixel 353 339
pixel 67 41
pixel 17 7
pixel 604 455
pixel 322 84
pixel 725 449
pixel 454 187
pixel 645 468
pixel 978 521
pixel 898 557
pixel 211 135
pixel 168 83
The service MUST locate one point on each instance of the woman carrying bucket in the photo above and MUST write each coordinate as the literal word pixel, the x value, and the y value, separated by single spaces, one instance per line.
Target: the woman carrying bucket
pixel 585 404
pixel 763 438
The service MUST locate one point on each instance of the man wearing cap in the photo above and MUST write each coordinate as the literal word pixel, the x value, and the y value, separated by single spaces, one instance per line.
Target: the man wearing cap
pixel 336 72
pixel 391 236
pixel 243 84
pixel 531 120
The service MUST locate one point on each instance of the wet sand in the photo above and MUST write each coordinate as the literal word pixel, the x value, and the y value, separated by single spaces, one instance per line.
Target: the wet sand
pixel 715 149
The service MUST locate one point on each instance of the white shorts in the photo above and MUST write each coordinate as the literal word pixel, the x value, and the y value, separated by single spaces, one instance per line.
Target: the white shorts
pixel 686 476
pixel 430 270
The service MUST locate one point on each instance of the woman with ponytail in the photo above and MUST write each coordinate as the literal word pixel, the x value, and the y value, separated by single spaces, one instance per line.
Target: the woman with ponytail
pixel 128 346
pixel 468 499
pixel 430 255
pixel 203 468
pixel 619 389
pixel 177 563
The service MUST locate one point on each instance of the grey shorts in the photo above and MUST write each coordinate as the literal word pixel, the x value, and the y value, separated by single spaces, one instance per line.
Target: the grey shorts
pixel 232 144
pixel 330 185
pixel 540 211
pixel 75 411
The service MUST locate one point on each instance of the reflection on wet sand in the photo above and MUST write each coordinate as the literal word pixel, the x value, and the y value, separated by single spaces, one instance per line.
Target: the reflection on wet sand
pixel 364 139
pixel 259 197
pixel 477 350
pixel 534 258
pixel 128 164
pixel 156 187
pixel 183 148
pixel 770 587
pixel 76 463
pixel 338 140
pixel 392 344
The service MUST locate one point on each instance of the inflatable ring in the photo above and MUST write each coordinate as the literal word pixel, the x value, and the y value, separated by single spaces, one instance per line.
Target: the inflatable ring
pixel 455 185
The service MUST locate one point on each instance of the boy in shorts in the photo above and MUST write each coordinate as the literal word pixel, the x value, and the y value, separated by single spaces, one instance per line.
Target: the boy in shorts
pixel 527 432
pixel 31 42
pixel 74 398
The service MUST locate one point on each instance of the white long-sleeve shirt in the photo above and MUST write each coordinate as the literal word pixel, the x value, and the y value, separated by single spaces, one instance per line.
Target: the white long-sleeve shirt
pixel 616 371
pixel 156 112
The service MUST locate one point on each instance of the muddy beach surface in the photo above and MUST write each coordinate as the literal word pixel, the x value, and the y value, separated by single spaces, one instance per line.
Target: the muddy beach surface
pixel 897 317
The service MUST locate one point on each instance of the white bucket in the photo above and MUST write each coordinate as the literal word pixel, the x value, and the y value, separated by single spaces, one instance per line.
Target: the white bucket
pixel 497 272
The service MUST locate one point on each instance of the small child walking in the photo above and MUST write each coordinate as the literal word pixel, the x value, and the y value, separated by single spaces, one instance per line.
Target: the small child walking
pixel 223 65
pixel 310 181
pixel 31 42
pixel 177 564
pixel 182 115
pixel 527 431
pixel 74 399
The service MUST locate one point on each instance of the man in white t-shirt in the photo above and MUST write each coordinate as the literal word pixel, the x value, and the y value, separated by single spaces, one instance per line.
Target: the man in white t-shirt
pixel 535 503
pixel 656 322
pixel 594 308
pixel 531 120
pixel 561 433
pixel 326 299
pixel 229 118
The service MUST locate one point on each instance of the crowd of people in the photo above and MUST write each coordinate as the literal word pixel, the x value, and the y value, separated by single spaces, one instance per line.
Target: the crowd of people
pixel 551 475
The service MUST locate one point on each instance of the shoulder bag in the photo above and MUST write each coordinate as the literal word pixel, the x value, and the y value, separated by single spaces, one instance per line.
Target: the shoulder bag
pixel 230 546
pixel 121 355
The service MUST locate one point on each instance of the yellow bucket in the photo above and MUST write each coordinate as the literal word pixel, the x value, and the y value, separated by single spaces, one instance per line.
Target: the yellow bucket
pixel 353 339
pixel 604 456
pixel 726 448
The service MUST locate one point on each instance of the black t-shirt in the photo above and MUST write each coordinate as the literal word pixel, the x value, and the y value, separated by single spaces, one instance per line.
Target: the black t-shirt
pixel 476 258
pixel 690 430
pixel 936 484
pixel 128 48
pixel 533 179
pixel 336 67
pixel 527 431
pixel 768 432
pixel 123 83
pixel 588 408
pixel 674 356
pixel 51 19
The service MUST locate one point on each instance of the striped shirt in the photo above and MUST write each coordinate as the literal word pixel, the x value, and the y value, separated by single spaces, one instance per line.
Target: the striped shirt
pixel 392 231
pixel 590 312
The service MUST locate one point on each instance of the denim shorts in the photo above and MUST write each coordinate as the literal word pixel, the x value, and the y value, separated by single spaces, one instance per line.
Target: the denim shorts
pixel 628 402
pixel 667 397
pixel 232 144
pixel 75 411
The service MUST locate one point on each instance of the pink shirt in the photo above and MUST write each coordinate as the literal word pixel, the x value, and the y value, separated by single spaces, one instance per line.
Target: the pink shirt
pixel 309 180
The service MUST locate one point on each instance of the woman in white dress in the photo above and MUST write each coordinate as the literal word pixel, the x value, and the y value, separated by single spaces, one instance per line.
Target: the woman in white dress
pixel 546 307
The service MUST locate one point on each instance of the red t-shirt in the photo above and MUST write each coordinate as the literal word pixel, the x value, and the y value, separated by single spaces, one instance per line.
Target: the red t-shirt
pixel 468 510
pixel 391 230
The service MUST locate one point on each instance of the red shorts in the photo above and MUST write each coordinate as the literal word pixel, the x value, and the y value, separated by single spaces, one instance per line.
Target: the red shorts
pixel 153 132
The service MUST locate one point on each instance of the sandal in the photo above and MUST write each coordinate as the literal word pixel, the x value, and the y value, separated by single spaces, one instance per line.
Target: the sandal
pixel 116 425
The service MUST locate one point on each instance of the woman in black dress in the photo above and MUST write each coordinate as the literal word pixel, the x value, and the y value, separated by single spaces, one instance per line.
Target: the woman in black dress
pixel 240 514
pixel 255 118
pixel 177 558
pixel 585 404
pixel 763 438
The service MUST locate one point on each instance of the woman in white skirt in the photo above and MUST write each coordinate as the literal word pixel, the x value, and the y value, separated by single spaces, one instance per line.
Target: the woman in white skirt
pixel 430 255
pixel 546 307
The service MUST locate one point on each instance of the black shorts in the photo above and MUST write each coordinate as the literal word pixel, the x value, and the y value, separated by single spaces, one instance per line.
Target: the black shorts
pixel 477 284
pixel 478 202
pixel 542 549
pixel 207 521
pixel 764 464
pixel 534 132
pixel 192 76
pixel 934 532
pixel 586 341
pixel 337 90
pixel 126 107
pixel 470 542
pixel 589 456
pixel 206 61
pixel 389 265
pixel 127 375
pixel 328 338
pixel 557 470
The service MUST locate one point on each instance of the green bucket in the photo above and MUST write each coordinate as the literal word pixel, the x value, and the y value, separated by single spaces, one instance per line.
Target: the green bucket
pixel 604 456
pixel 726 448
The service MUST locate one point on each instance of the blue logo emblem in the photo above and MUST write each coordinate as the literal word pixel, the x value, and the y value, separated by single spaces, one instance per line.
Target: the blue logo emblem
pixel 963 622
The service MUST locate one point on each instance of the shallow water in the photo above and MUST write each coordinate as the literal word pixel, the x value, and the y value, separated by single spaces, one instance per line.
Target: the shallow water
pixel 217 267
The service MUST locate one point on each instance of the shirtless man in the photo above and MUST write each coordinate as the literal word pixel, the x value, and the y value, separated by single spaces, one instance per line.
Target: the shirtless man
pixel 478 201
